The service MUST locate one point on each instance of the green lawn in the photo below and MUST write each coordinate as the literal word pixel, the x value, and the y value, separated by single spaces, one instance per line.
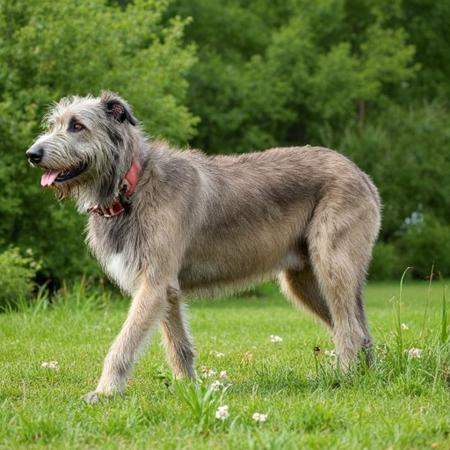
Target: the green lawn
pixel 400 402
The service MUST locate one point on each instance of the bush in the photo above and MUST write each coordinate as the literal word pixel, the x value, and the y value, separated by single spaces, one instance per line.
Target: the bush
pixel 386 263
pixel 17 273
pixel 426 244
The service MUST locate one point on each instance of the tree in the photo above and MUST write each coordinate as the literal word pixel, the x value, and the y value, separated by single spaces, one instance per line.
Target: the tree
pixel 277 72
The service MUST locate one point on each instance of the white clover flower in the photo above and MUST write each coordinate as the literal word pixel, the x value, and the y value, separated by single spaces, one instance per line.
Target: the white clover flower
pixel 275 339
pixel 404 327
pixel 50 365
pixel 222 412
pixel 259 417
pixel 216 385
pixel 208 373
pixel 415 353
pixel 330 353
pixel 223 374
pixel 217 354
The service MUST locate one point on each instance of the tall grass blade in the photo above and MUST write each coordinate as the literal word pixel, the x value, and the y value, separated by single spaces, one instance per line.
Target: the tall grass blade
pixel 427 304
pixel 444 319
pixel 398 312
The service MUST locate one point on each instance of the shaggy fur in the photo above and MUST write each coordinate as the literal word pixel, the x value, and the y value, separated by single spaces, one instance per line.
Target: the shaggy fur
pixel 205 225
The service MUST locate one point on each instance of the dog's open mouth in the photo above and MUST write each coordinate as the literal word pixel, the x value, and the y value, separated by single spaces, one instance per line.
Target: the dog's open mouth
pixel 62 176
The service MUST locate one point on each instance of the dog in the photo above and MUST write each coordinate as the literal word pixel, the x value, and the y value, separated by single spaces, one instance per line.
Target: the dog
pixel 163 222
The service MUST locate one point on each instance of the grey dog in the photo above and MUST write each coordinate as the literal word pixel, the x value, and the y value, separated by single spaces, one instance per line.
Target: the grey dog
pixel 164 222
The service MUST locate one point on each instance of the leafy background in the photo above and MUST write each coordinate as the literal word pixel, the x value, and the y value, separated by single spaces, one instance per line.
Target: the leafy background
pixel 370 79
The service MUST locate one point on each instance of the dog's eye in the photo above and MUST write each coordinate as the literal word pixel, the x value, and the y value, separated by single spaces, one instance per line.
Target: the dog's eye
pixel 76 126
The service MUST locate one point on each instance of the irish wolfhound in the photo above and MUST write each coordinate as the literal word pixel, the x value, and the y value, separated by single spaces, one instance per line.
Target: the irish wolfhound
pixel 164 222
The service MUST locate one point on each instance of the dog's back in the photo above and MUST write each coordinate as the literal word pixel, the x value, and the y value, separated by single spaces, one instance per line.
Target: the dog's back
pixel 256 210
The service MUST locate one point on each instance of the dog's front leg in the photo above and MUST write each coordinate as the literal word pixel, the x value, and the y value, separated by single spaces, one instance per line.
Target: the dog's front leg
pixel 148 307
pixel 176 337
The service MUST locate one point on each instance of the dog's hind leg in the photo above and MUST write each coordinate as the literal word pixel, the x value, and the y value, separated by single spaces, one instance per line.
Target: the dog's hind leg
pixel 302 289
pixel 148 307
pixel 340 252
pixel 176 337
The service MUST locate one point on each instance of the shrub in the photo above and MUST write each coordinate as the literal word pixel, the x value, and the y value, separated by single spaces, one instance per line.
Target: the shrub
pixel 386 263
pixel 426 244
pixel 17 273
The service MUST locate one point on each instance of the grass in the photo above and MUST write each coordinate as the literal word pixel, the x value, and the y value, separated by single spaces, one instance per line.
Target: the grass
pixel 400 402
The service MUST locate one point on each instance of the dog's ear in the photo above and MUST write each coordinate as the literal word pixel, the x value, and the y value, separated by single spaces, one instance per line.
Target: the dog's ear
pixel 118 108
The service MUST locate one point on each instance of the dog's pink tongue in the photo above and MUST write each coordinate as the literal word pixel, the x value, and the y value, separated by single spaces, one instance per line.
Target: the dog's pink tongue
pixel 49 177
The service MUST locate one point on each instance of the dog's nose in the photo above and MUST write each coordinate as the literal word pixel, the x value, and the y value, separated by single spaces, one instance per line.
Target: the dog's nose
pixel 35 155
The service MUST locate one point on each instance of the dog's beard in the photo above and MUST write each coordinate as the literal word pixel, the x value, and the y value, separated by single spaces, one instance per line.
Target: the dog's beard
pixel 66 190
pixel 95 186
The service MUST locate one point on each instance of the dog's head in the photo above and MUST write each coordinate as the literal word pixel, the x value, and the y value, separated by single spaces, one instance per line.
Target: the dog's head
pixel 87 147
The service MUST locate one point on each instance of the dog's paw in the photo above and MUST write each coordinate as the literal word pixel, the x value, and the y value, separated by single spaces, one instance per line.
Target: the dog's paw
pixel 91 398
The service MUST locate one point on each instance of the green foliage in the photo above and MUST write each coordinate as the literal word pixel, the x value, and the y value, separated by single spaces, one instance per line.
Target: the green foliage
pixel 425 244
pixel 370 79
pixel 17 274
pixel 386 263
pixel 427 28
pixel 51 49
pixel 314 64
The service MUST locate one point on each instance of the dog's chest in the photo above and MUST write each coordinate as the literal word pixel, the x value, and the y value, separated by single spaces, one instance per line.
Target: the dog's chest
pixel 113 251
pixel 121 270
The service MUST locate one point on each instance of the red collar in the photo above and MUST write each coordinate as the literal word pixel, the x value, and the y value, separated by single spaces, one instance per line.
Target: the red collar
pixel 121 201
